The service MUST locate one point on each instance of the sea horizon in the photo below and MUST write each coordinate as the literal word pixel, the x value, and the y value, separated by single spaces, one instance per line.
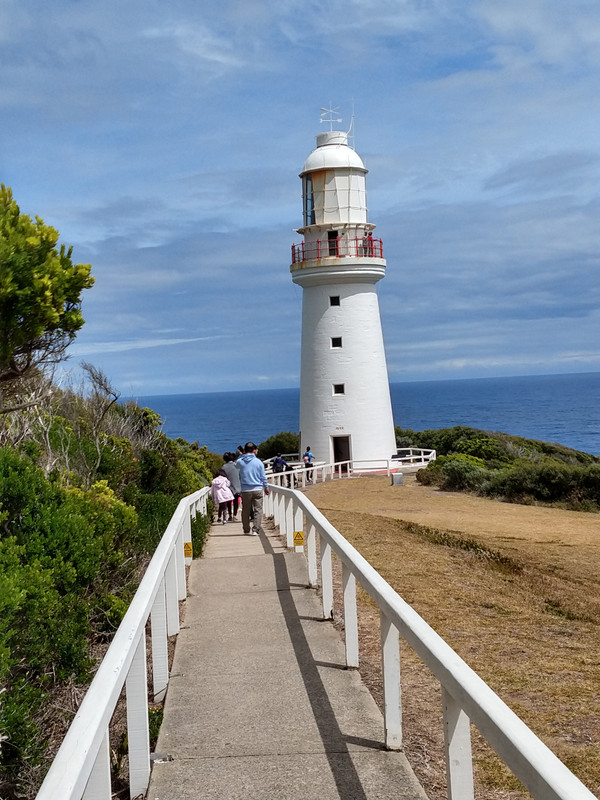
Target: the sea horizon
pixel 562 408
pixel 392 383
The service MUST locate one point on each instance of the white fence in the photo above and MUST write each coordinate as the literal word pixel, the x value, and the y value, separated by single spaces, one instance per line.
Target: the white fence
pixel 465 696
pixel 414 455
pixel 81 769
pixel 300 475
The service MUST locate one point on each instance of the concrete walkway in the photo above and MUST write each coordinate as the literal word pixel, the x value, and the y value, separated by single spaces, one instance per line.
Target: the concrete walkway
pixel 260 706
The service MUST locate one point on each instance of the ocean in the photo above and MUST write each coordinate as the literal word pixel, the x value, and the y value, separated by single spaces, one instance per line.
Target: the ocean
pixel 553 408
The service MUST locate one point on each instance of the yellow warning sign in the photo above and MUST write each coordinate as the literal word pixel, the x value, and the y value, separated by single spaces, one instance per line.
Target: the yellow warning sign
pixel 298 538
pixel 188 551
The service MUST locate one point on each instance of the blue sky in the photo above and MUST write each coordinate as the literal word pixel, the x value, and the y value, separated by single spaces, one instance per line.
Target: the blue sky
pixel 164 142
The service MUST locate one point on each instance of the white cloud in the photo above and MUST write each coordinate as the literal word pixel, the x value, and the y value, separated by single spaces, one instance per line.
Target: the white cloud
pixel 95 348
pixel 199 42
pixel 164 142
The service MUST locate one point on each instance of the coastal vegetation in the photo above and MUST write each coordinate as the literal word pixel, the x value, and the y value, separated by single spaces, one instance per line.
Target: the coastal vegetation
pixel 506 467
pixel 87 487
pixel 284 442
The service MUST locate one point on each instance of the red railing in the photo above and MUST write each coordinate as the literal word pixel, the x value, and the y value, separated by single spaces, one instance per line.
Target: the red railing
pixel 337 248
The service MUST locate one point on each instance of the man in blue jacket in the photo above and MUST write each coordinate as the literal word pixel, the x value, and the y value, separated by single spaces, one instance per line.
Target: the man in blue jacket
pixel 253 480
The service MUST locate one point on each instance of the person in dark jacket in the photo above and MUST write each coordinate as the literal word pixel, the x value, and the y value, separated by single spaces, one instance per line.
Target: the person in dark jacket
pixel 279 463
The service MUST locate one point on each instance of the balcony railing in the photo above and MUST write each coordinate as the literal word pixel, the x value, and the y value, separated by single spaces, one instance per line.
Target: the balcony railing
pixel 337 248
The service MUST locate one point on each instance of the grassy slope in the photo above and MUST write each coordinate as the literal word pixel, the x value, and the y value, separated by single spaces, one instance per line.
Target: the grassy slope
pixel 523 611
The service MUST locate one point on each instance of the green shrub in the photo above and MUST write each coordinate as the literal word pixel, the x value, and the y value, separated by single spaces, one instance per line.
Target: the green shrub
pixel 486 448
pixel 548 482
pixel 200 529
pixel 455 473
pixel 589 484
pixel 60 557
pixel 285 442
pixel 520 481
pixel 494 447
pixel 118 465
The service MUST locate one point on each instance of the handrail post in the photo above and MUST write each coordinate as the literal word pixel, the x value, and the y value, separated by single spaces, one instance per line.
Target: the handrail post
pixel 350 617
pixel 311 549
pixel 326 579
pixel 281 512
pixel 392 692
pixel 180 562
pixel 98 786
pixel 160 650
pixel 289 520
pixel 298 524
pixel 457 745
pixel 138 735
pixel 171 596
pixel 187 539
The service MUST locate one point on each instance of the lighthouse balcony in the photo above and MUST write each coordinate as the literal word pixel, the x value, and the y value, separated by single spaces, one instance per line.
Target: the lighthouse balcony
pixel 337 248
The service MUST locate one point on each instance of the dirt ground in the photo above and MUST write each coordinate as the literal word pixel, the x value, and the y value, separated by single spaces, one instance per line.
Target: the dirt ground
pixel 513 589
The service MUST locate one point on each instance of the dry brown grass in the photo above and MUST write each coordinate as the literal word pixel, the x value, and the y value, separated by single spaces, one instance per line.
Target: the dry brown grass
pixel 513 589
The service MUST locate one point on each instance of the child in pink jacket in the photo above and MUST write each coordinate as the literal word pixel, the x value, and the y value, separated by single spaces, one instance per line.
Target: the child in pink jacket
pixel 222 496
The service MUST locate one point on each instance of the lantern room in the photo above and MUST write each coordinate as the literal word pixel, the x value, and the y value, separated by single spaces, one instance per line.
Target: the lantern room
pixel 333 184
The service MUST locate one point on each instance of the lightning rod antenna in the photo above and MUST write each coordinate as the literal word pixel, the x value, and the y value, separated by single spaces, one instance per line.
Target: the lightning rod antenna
pixel 350 131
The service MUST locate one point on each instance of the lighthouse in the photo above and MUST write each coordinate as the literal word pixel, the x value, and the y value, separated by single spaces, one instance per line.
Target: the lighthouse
pixel 345 406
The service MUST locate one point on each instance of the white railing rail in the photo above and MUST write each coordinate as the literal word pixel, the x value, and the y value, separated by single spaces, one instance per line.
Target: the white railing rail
pixel 301 475
pixel 465 696
pixel 81 768
pixel 414 455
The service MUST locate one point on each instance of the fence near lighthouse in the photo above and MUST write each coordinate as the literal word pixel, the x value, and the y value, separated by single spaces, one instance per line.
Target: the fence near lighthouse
pixel 299 474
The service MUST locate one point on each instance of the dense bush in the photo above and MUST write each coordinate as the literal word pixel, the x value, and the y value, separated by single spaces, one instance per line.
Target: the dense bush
pixel 285 442
pixel 455 473
pixel 549 482
pixel 61 553
pixel 508 467
pixel 200 528
pixel 86 492
pixel 491 446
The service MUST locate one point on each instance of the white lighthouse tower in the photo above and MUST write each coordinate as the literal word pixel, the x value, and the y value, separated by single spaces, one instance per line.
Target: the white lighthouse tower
pixel 345 407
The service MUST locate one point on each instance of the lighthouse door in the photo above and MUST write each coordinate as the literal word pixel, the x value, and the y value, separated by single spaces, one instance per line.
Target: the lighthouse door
pixel 332 238
pixel 341 451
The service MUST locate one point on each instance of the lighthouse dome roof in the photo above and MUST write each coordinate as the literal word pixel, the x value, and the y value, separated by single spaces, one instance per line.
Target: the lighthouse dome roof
pixel 332 151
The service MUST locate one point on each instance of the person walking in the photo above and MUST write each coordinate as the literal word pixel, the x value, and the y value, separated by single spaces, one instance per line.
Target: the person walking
pixel 222 495
pixel 279 463
pixel 253 481
pixel 308 459
pixel 232 473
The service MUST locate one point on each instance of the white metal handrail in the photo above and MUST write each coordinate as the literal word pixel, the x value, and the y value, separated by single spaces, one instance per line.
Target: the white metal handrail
pixel 319 471
pixel 81 768
pixel 411 455
pixel 465 696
